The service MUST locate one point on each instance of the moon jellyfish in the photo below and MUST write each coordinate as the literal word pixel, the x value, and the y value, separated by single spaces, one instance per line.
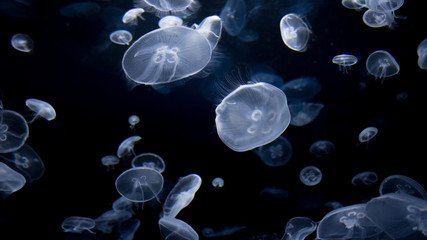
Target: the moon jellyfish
pixel 133 120
pixel 376 19
pixel 224 231
pixel 301 89
pixel 276 153
pixel 234 16
pixel 166 55
pixel 382 64
pixel 181 195
pixel 150 160
pixel 384 5
pixel 111 218
pixel 13 131
pixel 41 108
pixel 22 42
pixel 10 180
pixel 80 9
pixel 123 204
pixel 248 35
pixel 121 37
pixel 270 78
pixel 367 134
pixel 132 15
pixel 218 182
pixel 251 116
pixel 310 175
pixel 402 184
pixel 211 29
pixel 344 61
pixel 127 146
pixel 160 8
pixel 351 4
pixel 295 32
pixel 422 54
pixel 333 205
pixel 366 178
pixel 170 21
pixel 139 184
pixel 298 228
pixel 77 224
pixel 349 222
pixel 322 147
pixel 172 228
pixel 109 161
pixel 304 113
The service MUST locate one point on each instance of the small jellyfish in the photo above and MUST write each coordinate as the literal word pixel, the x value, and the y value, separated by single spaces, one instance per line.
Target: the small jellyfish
pixel 366 178
pixel 41 108
pixel 22 42
pixel 10 180
pixel 109 161
pixel 139 184
pixel 150 160
pixel 234 16
pixel 251 116
pixel 276 153
pixel 132 15
pixel 218 182
pixel 344 61
pixel 170 21
pixel 127 229
pixel 77 224
pixel 160 8
pixel 121 37
pixel 172 228
pixel 367 134
pixel 322 147
pixel 211 29
pixel 301 89
pixel 310 175
pixel 126 148
pixel 13 131
pixel 298 228
pixel 133 120
pixel 382 64
pixel 376 19
pixel 304 113
pixel 384 5
pixel 402 184
pixel 422 54
pixel 248 35
pixel 295 32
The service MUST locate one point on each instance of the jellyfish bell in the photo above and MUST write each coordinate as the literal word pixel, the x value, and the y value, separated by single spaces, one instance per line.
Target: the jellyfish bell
pixel 126 147
pixel 378 19
pixel 109 161
pixel 133 120
pixel 22 42
pixel 422 54
pixel 182 8
pixel 366 178
pixel 150 160
pixel 172 228
pixel 170 21
pixel 218 182
pixel 276 153
pixel 234 16
pixel 322 147
pixel 298 228
pixel 384 5
pixel 403 185
pixel 344 61
pixel 310 175
pixel 295 32
pixel 382 64
pixel 301 89
pixel 78 224
pixel 211 29
pixel 131 16
pixel 304 113
pixel 121 37
pixel 10 180
pixel 13 131
pixel 41 108
pixel 367 134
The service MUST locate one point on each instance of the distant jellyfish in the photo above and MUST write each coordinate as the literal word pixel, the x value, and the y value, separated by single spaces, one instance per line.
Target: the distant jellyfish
pixel 322 147
pixel 270 78
pixel 126 147
pixel 366 178
pixel 222 232
pixel 133 120
pixel 150 160
pixel 351 4
pixel 211 29
pixel 333 205
pixel 121 37
pixel 10 180
pixel 295 32
pixel 298 228
pixel 78 224
pixel 304 113
pixel 310 175
pixel 22 42
pixel 248 35
pixel 367 134
pixel 172 228
pixel 344 61
pixel 301 89
pixel 139 184
pixel 109 161
pixel 41 108
pixel 111 218
pixel 251 116
pixel 274 192
pixel 170 21
pixel 13 131
pixel 422 54
pixel 276 153
pixel 384 5
pixel 218 182
pixel 403 185
pixel 160 8
pixel 131 16
pixel 234 16
pixel 376 19
pixel 382 64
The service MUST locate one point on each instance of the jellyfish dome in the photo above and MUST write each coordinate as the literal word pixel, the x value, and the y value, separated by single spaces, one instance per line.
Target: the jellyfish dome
pixel 382 64
pixel 169 7
pixel 295 32
pixel 378 19
pixel 41 108
pixel 22 42
pixel 13 131
pixel 422 54
pixel 121 37
pixel 251 116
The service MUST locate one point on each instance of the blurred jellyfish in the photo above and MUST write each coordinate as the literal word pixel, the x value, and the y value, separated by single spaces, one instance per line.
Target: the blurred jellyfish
pixel 160 8
pixel 384 5
pixel 344 61
pixel 218 182
pixel 364 178
pixel 13 131
pixel 121 37
pixel 422 54
pixel 133 120
pixel 295 32
pixel 322 147
pixel 109 161
pixel 276 153
pixel 351 4
pixel 10 180
pixel 367 134
pixel 248 35
pixel 310 175
pixel 270 78
pixel 111 218
pixel 223 231
pixel 251 116
pixel 172 228
pixel 123 204
pixel 298 228
pixel 80 9
pixel 22 42
pixel 127 146
pixel 404 185
pixel 26 161
pixel 234 16
pixel 132 15
pixel 150 160
pixel 333 205
pixel 128 228
pixel 382 64
pixel 41 108
pixel 170 21
pixel 274 192
pixel 181 195
pixel 304 113
pixel 77 224
pixel 301 89
pixel 376 19
pixel 211 29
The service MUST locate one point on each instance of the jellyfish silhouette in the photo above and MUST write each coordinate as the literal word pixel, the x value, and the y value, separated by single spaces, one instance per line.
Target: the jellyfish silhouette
pixel 234 16
pixel 77 224
pixel 298 228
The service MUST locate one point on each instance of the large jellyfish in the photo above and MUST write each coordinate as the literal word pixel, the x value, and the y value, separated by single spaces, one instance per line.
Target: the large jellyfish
pixel 295 32
pixel 13 131
pixel 382 64
pixel 10 180
pixel 251 116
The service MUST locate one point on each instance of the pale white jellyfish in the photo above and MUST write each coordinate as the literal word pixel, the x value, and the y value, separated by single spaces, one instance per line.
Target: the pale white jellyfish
pixel 295 32
pixel 126 147
pixel 132 15
pixel 422 54
pixel 161 8
pixel 121 37
pixel 344 61
pixel 22 42
pixel 382 64
pixel 218 182
pixel 41 108
pixel 133 120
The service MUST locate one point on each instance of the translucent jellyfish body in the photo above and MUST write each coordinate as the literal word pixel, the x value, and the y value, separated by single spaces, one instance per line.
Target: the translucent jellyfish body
pixel 13 131
pixel 304 113
pixel 376 19
pixel 364 178
pixel 382 64
pixel 10 180
pixel 310 175
pixel 170 21
pixel 251 116
pixel 211 29
pixel 276 153
pixel 384 5
pixel 162 8
pixel 133 120
pixel 131 16
pixel 295 32
pixel 301 89
pixel 109 161
pixel 111 218
pixel 150 160
pixel 222 232
pixel 298 228
pixel 402 184
pixel 234 16
pixel 344 61
pixel 322 147
pixel 77 224
pixel 367 134
pixel 121 37
pixel 41 108
pixel 126 146
pixel 218 182
pixel 422 54
pixel 139 184
pixel 22 42
pixel 172 228
pixel 26 161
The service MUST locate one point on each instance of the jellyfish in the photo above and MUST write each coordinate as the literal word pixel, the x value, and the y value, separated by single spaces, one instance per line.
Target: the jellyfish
pixel 133 120
pixel 351 4
pixel 422 54
pixel 344 61
pixel 350 222
pixel 402 184
pixel 384 5
pixel 276 153
pixel 181 195
pixel 10 180
pixel 298 228
pixel 378 19
pixel 41 108
pixel 304 113
pixel 248 35
pixel 140 184
pixel 127 146
pixel 150 160
pixel 367 134
pixel 13 131
pixel 333 205
pixel 211 29
pixel 364 178
pixel 322 147
pixel 234 16
pixel 127 229
pixel 301 89
pixel 121 37
pixel 270 78
pixel 22 42
pixel 223 231
pixel 172 228
pixel 123 204
pixel 218 182
pixel 295 32
pixel 131 16
pixel 160 8
pixel 107 220
pixel 109 161
pixel 170 21
pixel 78 224
pixel 251 116
pixel 310 175
pixel 382 64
